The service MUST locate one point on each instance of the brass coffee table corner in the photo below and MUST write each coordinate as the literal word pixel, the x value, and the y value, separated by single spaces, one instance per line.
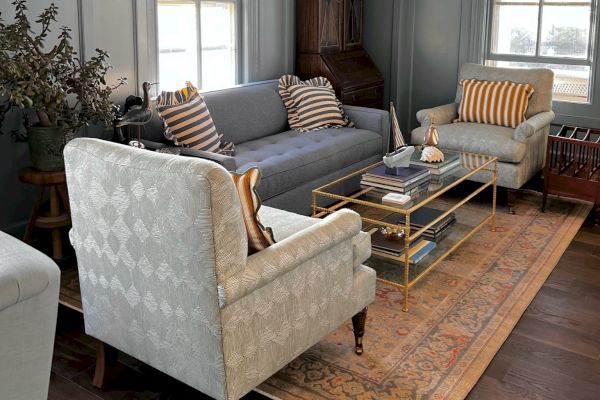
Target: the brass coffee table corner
pixel 370 198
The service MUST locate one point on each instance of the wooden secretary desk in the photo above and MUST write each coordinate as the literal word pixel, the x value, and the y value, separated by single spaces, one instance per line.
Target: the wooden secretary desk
pixel 329 36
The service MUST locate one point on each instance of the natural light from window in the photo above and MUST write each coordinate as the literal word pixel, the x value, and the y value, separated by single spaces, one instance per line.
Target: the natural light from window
pixel 549 33
pixel 179 36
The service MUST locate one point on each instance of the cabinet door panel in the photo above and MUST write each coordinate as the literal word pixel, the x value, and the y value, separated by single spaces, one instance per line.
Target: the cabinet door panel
pixel 331 14
pixel 353 23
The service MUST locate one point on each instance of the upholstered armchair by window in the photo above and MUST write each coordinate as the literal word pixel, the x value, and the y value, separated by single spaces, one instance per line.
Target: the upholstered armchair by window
pixel 166 277
pixel 520 151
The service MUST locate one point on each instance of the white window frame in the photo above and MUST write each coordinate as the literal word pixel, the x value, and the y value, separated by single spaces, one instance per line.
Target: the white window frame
pixel 538 57
pixel 238 29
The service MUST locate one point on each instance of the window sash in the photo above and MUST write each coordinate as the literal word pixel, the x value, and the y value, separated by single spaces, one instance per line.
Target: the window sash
pixel 538 57
pixel 198 4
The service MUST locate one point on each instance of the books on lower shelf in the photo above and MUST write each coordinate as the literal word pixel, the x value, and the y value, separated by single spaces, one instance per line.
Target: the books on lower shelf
pixel 424 216
pixel 417 251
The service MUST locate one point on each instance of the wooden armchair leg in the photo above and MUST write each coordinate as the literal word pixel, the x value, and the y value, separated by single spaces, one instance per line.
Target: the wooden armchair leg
pixel 512 198
pixel 106 363
pixel 358 324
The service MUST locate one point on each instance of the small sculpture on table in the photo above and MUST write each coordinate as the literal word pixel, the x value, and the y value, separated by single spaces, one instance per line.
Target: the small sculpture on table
pixel 400 157
pixel 431 152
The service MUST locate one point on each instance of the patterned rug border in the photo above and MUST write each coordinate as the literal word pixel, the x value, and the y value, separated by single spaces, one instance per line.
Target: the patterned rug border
pixel 468 380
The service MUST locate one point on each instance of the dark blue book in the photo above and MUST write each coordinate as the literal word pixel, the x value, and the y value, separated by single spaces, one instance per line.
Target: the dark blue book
pixel 405 174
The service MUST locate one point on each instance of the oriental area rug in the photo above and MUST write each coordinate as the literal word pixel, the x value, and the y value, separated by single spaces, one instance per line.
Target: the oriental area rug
pixel 460 314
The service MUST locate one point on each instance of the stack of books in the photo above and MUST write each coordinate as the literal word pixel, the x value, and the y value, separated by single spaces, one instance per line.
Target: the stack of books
pixel 412 181
pixel 442 173
pixel 419 248
pixel 424 216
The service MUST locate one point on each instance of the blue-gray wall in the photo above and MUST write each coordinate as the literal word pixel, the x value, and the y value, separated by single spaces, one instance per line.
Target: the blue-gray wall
pixel 429 41
pixel 127 30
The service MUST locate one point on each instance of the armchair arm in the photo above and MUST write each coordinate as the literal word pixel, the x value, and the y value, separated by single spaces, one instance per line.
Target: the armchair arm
pixel 441 115
pixel 371 119
pixel 530 126
pixel 24 272
pixel 282 257
pixel 227 162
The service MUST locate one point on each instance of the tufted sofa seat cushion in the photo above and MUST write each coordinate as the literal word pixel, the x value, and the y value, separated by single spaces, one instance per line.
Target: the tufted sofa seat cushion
pixel 477 138
pixel 290 159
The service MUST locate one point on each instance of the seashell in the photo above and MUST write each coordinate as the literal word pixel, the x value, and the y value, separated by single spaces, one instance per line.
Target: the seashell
pixel 432 154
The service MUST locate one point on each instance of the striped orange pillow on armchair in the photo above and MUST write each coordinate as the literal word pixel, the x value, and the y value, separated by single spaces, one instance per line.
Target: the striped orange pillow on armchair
pixel 494 102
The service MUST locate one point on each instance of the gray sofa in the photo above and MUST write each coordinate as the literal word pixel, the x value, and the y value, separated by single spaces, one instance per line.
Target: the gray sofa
pixel 29 284
pixel 254 118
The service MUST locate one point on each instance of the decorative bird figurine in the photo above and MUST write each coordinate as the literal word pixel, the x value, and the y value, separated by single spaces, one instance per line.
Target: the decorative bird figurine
pixel 137 114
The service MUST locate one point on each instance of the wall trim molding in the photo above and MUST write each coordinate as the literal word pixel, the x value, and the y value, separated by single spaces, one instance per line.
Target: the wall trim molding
pixel 473 32
pixel 251 40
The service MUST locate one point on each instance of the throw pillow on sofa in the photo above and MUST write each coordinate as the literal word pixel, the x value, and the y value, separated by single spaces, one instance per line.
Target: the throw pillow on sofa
pixel 177 97
pixel 501 103
pixel 259 237
pixel 312 104
pixel 187 120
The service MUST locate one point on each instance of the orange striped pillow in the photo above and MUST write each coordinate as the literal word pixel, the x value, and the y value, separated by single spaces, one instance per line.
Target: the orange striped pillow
pixel 494 102
pixel 259 237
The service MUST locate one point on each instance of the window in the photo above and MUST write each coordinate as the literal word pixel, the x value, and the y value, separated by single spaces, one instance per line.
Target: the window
pixel 197 41
pixel 556 34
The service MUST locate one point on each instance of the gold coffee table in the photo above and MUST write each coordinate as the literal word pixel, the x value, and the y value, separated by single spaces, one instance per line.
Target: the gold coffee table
pixel 375 214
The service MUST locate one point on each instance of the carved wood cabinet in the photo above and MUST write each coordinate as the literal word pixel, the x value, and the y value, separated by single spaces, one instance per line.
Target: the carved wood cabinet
pixel 329 36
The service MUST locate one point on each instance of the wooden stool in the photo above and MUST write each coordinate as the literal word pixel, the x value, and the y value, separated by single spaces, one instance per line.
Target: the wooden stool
pixel 59 215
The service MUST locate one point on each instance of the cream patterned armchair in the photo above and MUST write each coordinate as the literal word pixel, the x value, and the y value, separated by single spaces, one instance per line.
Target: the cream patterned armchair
pixel 520 151
pixel 165 276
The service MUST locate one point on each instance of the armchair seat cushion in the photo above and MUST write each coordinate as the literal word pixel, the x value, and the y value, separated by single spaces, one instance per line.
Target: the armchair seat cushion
pixel 477 138
pixel 285 224
pixel 290 159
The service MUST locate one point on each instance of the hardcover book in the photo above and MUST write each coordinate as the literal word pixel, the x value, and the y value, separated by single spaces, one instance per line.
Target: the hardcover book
pixel 406 174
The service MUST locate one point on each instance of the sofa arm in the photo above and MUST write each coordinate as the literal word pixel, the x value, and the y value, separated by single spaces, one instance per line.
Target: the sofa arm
pixel 227 162
pixel 24 271
pixel 282 257
pixel 371 119
pixel 441 115
pixel 530 126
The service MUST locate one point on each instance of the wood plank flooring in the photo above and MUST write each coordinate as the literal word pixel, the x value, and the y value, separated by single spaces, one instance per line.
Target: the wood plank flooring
pixel 553 353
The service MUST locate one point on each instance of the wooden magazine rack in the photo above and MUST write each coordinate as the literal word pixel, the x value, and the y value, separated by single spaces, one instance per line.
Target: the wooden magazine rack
pixel 573 164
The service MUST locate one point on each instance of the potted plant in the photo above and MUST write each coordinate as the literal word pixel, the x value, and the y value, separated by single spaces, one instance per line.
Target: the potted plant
pixel 57 92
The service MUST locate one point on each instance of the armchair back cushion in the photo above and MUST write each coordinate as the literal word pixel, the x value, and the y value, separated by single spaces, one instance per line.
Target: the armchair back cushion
pixel 540 78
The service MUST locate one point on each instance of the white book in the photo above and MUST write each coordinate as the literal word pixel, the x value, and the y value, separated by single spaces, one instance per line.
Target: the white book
pixel 396 198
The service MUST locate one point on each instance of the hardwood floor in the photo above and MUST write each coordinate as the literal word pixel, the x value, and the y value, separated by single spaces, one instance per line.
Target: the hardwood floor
pixel 553 352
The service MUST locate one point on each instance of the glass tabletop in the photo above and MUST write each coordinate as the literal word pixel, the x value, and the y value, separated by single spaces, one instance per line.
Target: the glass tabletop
pixel 376 183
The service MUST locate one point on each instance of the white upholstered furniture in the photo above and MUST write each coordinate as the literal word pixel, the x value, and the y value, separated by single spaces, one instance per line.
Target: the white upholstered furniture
pixel 165 276
pixel 29 284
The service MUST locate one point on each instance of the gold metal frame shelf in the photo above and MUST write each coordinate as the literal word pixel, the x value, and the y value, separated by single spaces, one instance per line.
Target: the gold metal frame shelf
pixel 489 164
